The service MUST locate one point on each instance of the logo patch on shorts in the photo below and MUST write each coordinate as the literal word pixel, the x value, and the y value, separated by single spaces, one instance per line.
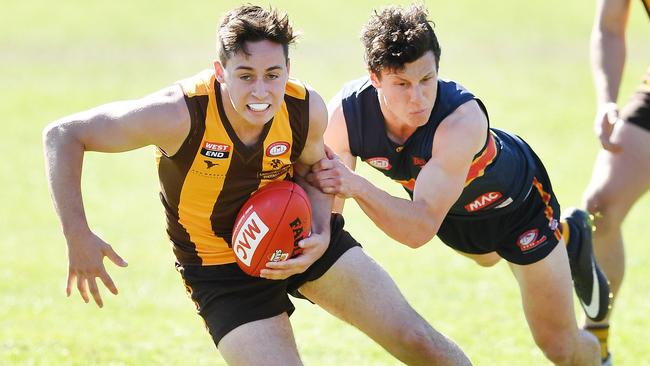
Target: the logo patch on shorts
pixel 483 201
pixel 380 163
pixel 215 150
pixel 528 240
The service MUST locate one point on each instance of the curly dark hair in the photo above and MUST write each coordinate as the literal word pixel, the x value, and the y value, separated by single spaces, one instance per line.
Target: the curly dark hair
pixel 395 36
pixel 251 23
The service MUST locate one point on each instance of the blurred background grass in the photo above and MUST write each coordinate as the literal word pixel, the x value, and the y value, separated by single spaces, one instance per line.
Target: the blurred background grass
pixel 528 61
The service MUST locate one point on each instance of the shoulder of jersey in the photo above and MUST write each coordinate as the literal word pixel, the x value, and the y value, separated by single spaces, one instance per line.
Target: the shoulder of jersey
pixel 296 89
pixel 199 84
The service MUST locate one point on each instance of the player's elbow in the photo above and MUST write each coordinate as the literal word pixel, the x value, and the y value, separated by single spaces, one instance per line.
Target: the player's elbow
pixel 418 238
pixel 56 134
pixel 52 133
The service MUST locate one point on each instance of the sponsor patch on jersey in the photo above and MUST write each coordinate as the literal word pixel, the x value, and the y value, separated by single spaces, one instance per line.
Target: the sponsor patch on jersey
pixel 275 173
pixel 215 150
pixel 380 163
pixel 277 148
pixel 418 161
pixel 484 201
pixel 529 240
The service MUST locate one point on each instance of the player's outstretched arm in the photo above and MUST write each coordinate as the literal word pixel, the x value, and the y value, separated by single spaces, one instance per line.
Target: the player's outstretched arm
pixel 608 53
pixel 315 245
pixel 439 184
pixel 160 119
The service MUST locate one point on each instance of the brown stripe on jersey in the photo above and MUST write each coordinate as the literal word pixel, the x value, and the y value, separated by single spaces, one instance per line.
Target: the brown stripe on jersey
pixel 172 172
pixel 240 182
pixel 241 179
pixel 299 119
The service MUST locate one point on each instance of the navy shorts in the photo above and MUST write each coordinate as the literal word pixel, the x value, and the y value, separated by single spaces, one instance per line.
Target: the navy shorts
pixel 637 109
pixel 226 297
pixel 522 236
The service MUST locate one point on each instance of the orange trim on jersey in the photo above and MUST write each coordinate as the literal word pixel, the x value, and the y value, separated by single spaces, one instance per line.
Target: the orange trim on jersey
pixel 548 211
pixel 408 184
pixel 477 168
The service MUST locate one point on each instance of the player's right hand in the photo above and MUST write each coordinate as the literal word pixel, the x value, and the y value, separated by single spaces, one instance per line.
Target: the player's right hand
pixel 86 263
pixel 606 119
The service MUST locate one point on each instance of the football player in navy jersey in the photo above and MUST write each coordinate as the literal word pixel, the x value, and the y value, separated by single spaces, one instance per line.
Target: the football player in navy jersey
pixel 483 191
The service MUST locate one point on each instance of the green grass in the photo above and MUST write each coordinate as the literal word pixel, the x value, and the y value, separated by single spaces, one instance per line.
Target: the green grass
pixel 529 63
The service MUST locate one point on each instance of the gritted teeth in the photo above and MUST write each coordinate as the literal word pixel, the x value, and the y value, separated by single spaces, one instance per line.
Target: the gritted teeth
pixel 258 107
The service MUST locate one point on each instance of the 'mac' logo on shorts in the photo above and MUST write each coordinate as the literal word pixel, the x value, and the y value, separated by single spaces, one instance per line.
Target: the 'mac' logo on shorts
pixel 483 201
pixel 215 150
pixel 528 240
pixel 249 236
pixel 380 163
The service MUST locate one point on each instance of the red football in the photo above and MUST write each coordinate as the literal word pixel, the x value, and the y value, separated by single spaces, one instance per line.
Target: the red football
pixel 269 226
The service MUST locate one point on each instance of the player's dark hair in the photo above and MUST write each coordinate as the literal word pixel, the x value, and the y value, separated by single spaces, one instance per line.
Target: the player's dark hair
pixel 395 36
pixel 250 23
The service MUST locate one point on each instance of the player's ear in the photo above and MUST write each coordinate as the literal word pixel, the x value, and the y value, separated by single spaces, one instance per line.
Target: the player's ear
pixel 375 79
pixel 219 71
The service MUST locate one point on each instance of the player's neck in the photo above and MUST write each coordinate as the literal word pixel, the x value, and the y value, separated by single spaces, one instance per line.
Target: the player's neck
pixel 398 131
pixel 247 132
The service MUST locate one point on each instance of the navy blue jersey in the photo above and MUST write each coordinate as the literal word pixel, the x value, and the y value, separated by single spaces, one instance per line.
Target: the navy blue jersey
pixel 500 175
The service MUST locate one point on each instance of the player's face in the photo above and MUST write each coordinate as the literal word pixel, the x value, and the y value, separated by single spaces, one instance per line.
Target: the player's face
pixel 255 82
pixel 407 96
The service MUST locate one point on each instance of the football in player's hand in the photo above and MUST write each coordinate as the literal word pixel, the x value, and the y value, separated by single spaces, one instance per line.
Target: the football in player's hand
pixel 269 226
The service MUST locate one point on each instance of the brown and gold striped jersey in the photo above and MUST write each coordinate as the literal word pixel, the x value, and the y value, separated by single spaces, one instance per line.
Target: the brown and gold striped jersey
pixel 205 183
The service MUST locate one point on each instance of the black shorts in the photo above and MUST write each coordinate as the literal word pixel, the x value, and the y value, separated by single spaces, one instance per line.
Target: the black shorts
pixel 523 236
pixel 226 297
pixel 637 109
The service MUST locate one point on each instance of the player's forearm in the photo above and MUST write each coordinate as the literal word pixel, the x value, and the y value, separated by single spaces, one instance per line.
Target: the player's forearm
pixel 608 52
pixel 321 207
pixel 63 162
pixel 406 221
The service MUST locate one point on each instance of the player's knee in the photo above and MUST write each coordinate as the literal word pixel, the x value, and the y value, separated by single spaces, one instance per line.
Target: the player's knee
pixel 557 348
pixel 425 346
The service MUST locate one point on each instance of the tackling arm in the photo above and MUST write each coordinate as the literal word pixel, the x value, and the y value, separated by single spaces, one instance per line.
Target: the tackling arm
pixel 438 185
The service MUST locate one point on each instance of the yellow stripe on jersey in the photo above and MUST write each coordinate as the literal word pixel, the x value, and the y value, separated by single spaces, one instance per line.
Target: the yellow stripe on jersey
pixel 200 191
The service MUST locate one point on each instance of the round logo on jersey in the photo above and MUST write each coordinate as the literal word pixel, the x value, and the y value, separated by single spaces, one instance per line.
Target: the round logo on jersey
pixel 277 148
pixel 380 163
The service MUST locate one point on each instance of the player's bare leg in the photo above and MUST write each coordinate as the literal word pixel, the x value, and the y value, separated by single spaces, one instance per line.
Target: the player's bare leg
pixel 242 346
pixel 357 290
pixel 547 298
pixel 483 260
pixel 618 181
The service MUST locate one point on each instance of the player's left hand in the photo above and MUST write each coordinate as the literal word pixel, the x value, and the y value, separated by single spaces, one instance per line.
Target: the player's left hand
pixel 332 176
pixel 313 248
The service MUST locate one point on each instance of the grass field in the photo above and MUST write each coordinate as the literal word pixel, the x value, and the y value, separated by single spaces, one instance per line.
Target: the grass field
pixel 527 61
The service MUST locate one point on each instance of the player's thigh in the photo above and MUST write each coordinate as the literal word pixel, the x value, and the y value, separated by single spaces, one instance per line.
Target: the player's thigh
pixel 263 342
pixel 357 290
pixel 547 297
pixel 620 178
pixel 483 260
